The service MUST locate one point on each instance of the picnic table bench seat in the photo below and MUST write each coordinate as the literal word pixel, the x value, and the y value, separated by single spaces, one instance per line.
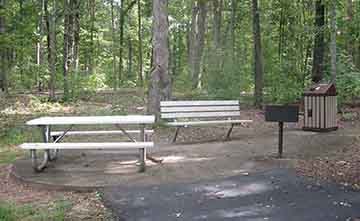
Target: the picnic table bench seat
pixel 86 146
pixel 182 114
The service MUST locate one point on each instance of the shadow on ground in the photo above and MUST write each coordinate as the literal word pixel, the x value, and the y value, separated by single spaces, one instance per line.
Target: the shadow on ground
pixel 278 194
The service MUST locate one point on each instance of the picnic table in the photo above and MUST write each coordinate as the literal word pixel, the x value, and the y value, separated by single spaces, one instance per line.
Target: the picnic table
pixel 51 139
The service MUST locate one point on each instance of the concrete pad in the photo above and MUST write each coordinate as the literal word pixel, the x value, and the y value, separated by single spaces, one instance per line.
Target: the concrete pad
pixel 185 163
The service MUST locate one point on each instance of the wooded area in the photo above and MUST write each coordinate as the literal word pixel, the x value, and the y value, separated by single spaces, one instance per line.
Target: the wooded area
pixel 273 49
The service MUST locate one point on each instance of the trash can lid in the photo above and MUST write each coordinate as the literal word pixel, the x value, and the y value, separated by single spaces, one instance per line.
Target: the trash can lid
pixel 321 90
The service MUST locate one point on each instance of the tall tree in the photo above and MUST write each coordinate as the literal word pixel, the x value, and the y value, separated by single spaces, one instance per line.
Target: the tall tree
pixel 67 46
pixel 39 43
pixel 218 9
pixel 130 58
pixel 51 44
pixel 140 47
pixel 114 74
pixel 197 39
pixel 333 40
pixel 121 39
pixel 258 56
pixel 160 85
pixel 350 41
pixel 76 42
pixel 319 44
pixel 91 53
pixel 232 28
pixel 4 50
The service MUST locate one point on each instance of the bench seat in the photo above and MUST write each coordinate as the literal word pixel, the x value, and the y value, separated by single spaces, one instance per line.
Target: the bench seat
pixel 86 146
pixel 201 113
pixel 194 123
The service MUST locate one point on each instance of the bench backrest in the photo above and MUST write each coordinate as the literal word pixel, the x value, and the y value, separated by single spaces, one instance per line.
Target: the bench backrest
pixel 199 109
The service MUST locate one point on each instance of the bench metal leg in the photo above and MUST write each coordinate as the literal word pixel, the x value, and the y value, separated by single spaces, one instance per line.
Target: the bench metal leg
pixel 142 160
pixel 229 132
pixel 142 150
pixel 176 134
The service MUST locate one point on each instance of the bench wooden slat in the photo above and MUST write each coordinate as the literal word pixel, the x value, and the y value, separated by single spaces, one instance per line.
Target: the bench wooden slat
pixel 201 114
pixel 185 123
pixel 198 103
pixel 100 132
pixel 200 109
pixel 86 146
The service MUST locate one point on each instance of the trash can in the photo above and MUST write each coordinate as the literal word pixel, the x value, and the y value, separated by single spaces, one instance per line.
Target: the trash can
pixel 320 108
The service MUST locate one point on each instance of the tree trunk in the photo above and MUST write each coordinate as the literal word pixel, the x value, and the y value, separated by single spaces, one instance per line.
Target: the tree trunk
pixel 217 56
pixel 333 41
pixel 319 44
pixel 115 81
pixel 51 45
pixel 121 40
pixel 4 51
pixel 160 85
pixel 39 45
pixel 350 41
pixel 76 35
pixel 66 47
pixel 197 40
pixel 218 7
pixel 140 74
pixel 233 27
pixel 130 54
pixel 258 56
pixel 92 44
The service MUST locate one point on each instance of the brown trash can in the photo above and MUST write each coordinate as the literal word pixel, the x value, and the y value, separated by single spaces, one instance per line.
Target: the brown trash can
pixel 320 108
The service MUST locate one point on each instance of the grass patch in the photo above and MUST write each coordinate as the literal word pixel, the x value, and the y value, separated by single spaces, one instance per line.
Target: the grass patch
pixel 13 136
pixel 9 154
pixel 56 212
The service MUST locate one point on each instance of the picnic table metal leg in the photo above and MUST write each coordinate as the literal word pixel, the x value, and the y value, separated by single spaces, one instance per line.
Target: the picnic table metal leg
pixel 56 139
pixel 38 167
pixel 52 154
pixel 148 157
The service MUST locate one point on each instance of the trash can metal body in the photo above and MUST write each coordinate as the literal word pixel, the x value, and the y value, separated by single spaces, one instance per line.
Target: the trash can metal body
pixel 320 108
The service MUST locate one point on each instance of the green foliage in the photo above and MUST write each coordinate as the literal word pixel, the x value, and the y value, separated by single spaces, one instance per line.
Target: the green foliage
pixel 287 29
pixel 13 136
pixel 55 212
pixel 347 81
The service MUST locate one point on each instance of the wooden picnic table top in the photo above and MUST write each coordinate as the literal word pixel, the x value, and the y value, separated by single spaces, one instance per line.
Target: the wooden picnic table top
pixel 88 120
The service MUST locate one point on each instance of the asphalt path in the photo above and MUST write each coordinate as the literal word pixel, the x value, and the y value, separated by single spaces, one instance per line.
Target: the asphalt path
pixel 278 195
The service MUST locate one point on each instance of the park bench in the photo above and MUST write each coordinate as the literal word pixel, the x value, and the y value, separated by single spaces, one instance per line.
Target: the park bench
pixel 52 147
pixel 182 114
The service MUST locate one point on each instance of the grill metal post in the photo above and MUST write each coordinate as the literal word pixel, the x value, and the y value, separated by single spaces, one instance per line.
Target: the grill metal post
pixel 281 129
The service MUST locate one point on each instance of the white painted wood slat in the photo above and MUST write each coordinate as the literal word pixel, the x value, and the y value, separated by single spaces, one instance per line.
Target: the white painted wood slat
pixel 200 114
pixel 86 146
pixel 190 123
pixel 198 103
pixel 129 119
pixel 101 132
pixel 199 109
